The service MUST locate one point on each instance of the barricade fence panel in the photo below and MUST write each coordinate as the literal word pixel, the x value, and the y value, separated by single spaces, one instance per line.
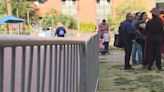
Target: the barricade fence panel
pixel 50 65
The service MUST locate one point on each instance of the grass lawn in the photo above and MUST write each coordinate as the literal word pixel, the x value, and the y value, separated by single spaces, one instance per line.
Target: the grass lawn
pixel 114 79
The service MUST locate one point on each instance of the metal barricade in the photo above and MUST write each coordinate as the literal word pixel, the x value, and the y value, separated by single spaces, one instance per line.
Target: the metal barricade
pixel 35 64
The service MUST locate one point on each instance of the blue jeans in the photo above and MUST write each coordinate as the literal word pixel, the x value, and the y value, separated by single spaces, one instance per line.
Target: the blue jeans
pixel 136 49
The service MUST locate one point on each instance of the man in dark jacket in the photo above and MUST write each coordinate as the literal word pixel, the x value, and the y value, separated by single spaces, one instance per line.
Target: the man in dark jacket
pixel 154 29
pixel 127 34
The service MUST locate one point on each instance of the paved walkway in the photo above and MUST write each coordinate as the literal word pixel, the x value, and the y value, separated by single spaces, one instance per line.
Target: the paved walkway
pixel 111 58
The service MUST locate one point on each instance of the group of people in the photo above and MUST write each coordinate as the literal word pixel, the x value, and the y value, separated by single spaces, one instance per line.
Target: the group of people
pixel 104 37
pixel 60 31
pixel 143 36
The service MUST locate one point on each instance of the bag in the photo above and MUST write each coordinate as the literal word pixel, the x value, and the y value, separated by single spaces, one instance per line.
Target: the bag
pixel 139 37
pixel 118 42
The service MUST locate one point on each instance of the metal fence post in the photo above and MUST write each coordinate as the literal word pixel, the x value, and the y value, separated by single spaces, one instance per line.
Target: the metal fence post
pixel 44 69
pixel 1 68
pixel 30 70
pixel 38 70
pixel 12 85
pixel 23 69
pixel 50 69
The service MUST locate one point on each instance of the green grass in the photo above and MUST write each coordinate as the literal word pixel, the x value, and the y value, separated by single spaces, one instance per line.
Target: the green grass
pixel 114 79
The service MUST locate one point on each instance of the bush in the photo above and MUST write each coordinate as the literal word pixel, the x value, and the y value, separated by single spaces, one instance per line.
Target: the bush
pixel 2 29
pixel 52 18
pixel 27 30
pixel 87 27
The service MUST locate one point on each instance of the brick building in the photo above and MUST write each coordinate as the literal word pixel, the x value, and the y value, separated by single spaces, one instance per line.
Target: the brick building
pixel 88 11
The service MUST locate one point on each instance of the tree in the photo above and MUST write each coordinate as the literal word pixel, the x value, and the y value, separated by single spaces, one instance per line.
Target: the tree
pixel 128 6
pixel 23 7
pixel 52 18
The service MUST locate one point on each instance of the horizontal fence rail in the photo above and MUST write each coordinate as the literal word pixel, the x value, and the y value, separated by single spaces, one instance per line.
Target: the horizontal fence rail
pixel 35 64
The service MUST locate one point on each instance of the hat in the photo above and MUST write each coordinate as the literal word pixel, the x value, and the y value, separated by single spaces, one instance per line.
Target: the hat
pixel 155 11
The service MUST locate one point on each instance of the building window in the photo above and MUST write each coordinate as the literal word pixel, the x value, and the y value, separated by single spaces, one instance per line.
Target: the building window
pixel 103 8
pixel 69 7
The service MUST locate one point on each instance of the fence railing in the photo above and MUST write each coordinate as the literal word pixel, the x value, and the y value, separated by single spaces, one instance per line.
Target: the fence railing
pixel 33 64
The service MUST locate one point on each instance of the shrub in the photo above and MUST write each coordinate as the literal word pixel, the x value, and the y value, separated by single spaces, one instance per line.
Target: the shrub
pixel 87 27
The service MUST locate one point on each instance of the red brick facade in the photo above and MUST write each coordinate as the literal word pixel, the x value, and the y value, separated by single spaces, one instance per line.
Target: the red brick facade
pixel 87 8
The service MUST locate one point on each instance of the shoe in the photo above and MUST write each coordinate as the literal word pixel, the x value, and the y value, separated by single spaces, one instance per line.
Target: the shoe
pixel 149 68
pixel 160 69
pixel 128 68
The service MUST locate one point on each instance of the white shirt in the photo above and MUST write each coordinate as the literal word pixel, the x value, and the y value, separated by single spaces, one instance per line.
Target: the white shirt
pixel 106 37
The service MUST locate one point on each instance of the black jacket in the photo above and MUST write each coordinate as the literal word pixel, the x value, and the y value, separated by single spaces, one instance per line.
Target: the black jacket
pixel 154 28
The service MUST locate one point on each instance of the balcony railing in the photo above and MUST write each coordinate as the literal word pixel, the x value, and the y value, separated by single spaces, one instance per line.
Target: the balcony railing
pixel 35 64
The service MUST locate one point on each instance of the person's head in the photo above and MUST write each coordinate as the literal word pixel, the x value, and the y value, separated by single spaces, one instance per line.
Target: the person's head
pixel 103 21
pixel 137 15
pixel 106 31
pixel 60 25
pixel 155 12
pixel 129 16
pixel 144 16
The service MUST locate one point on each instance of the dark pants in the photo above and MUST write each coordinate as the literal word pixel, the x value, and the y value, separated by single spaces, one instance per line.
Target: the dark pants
pixel 154 52
pixel 144 59
pixel 106 44
pixel 128 50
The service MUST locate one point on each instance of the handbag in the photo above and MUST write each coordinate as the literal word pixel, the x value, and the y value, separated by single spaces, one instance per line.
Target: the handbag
pixel 118 42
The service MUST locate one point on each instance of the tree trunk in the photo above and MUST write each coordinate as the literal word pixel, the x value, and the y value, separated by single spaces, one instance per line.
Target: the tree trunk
pixel 9 13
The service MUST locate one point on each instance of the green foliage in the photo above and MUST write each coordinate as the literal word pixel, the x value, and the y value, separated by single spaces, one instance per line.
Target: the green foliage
pixel 87 27
pixel 2 29
pixel 27 30
pixel 111 21
pixel 24 6
pixel 2 8
pixel 128 6
pixel 52 18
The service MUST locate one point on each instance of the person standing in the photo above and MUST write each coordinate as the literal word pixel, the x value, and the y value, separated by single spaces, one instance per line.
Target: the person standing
pixel 142 37
pixel 127 33
pixel 162 41
pixel 106 41
pixel 154 29
pixel 136 46
pixel 60 31
pixel 102 27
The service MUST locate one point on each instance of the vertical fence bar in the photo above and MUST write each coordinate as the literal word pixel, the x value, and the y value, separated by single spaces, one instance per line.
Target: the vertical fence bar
pixel 71 69
pixel 64 66
pixel 1 68
pixel 83 78
pixel 74 64
pixel 30 70
pixel 44 69
pixel 23 69
pixel 59 76
pixel 55 68
pixel 50 69
pixel 12 85
pixel 68 67
pixel 38 70
pixel 76 68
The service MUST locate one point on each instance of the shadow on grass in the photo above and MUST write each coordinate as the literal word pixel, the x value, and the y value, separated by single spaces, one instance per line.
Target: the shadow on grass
pixel 114 79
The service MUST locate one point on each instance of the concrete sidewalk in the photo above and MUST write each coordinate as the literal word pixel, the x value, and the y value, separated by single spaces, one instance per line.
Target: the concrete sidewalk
pixel 111 58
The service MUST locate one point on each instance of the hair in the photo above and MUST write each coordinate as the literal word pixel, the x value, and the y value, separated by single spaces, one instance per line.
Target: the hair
pixel 127 15
pixel 141 16
pixel 154 16
pixel 103 20
pixel 137 13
